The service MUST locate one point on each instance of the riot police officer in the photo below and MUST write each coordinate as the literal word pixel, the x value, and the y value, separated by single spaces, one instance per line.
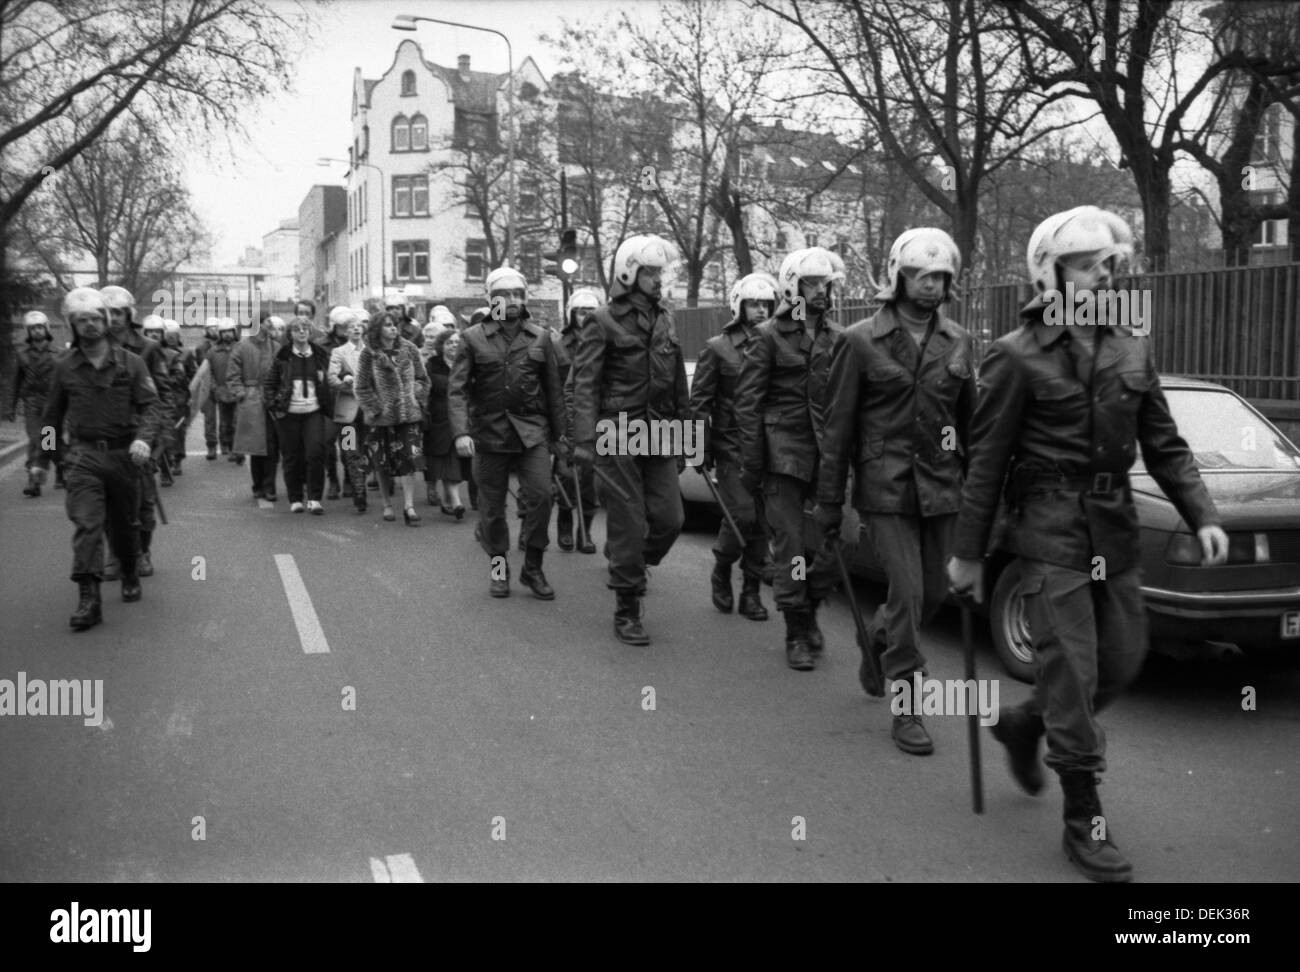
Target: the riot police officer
pixel 630 366
pixel 1060 411
pixel 779 414
pixel 31 386
pixel 107 397
pixel 125 331
pixel 582 303
pixel 898 404
pixel 713 394
pixel 506 407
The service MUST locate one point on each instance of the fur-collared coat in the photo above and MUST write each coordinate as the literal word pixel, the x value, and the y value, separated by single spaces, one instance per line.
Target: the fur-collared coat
pixel 392 388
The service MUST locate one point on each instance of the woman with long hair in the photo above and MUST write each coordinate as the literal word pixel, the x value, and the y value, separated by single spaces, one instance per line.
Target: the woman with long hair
pixel 298 397
pixel 392 387
pixel 444 464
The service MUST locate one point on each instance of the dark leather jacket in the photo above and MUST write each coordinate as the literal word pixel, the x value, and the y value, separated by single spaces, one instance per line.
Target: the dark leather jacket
pixel 1046 434
pixel 506 394
pixel 898 418
pixel 713 389
pixel 781 394
pixel 629 360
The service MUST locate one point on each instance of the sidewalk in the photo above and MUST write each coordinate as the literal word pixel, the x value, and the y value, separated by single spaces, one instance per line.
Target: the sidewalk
pixel 13 438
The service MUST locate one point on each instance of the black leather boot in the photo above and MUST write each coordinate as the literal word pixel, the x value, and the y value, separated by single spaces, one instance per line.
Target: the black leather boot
pixel 143 563
pixel 33 488
pixel 59 481
pixel 797 655
pixel 815 640
pixel 533 578
pixel 723 599
pixel 89 607
pixel 910 735
pixel 627 619
pixel 585 545
pixel 131 590
pixel 500 587
pixel 564 527
pixel 751 605
pixel 1087 838
pixel 1020 732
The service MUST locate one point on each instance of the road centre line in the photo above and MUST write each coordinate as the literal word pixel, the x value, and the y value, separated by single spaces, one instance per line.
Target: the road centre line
pixel 304 615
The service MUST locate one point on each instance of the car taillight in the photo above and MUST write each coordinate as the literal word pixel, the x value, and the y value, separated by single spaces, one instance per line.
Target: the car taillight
pixel 1243 548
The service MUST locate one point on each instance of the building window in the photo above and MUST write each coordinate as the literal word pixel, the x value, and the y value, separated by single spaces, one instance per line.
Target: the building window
pixel 1267 146
pixel 365 141
pixel 475 259
pixel 782 241
pixel 408 83
pixel 530 261
pixel 810 239
pixel 411 260
pixel 419 134
pixel 1269 232
pixel 411 195
pixel 401 134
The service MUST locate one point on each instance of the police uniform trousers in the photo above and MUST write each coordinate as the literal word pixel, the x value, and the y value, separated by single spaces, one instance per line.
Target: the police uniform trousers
pixel 210 421
pixel 1090 640
pixel 104 490
pixel 32 415
pixel 796 583
pixel 642 525
pixel 492 472
pixel 746 509
pixel 913 551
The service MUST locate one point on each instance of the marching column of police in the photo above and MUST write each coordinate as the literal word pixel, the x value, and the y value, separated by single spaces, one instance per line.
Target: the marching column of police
pixel 939 465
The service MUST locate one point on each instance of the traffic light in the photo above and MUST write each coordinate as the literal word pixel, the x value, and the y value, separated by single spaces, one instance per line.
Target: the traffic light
pixel 563 263
pixel 568 254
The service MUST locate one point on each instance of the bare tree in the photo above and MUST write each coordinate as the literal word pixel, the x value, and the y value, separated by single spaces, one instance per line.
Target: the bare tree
pixel 946 70
pixel 121 207
pixel 1151 67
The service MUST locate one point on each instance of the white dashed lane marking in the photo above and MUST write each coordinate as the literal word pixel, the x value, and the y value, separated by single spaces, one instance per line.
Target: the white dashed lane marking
pixel 395 869
pixel 304 615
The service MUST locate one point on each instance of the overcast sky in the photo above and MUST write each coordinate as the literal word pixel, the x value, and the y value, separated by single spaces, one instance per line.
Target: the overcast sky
pixel 247 197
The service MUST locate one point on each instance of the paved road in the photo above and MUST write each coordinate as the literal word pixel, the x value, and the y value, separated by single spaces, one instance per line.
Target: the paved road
pixel 511 739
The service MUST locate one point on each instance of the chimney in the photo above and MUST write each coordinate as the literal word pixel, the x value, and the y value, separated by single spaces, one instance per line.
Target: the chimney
pixel 462 65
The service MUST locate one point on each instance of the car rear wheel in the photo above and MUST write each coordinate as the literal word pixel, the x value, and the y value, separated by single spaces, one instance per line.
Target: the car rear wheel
pixel 1009 624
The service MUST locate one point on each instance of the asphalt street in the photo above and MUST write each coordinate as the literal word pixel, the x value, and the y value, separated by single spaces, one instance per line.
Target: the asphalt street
pixel 518 740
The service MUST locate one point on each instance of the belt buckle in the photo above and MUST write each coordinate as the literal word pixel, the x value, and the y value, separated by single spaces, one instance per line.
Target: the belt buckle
pixel 1101 483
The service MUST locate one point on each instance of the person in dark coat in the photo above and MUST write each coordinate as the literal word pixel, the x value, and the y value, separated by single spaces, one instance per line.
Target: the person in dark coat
pixel 1063 407
pixel 31 386
pixel 443 464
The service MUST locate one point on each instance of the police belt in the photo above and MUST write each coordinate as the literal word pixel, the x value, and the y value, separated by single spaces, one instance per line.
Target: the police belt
pixel 1095 484
pixel 105 445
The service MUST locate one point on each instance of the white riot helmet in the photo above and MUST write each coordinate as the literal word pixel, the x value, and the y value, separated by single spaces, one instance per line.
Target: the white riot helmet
pixel 227 324
pixel 154 327
pixel 642 251
pixel 584 298
pixel 36 319
pixel 504 278
pixel 119 298
pixel 1084 229
pixel 815 261
pixel 341 315
pixel 925 250
pixel 172 330
pixel 443 316
pixel 754 286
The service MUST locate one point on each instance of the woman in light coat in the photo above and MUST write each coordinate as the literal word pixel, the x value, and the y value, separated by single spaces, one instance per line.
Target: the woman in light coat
pixel 392 387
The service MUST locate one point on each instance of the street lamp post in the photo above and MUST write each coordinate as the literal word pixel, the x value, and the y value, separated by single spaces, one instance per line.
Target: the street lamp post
pixel 408 22
pixel 383 246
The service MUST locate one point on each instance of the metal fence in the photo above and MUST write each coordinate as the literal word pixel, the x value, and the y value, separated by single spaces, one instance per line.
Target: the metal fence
pixel 1236 326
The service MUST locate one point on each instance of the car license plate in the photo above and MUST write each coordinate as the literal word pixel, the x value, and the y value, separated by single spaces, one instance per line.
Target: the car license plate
pixel 1291 624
